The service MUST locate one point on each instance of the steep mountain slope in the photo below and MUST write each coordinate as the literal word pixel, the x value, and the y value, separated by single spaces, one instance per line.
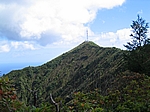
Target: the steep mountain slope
pixel 84 68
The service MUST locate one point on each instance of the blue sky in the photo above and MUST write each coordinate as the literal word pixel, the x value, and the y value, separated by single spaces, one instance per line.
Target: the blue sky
pixel 34 32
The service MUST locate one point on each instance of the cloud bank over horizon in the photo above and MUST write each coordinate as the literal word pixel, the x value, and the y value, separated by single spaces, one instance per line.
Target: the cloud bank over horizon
pixel 29 24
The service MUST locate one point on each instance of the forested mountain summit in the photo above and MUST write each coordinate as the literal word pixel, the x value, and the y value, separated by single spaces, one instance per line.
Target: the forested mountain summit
pixel 87 78
pixel 84 68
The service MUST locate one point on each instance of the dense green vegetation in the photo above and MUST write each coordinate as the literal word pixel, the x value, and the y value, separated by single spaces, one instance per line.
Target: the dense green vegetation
pixel 88 78
pixel 85 68
pixel 131 94
pixel 138 56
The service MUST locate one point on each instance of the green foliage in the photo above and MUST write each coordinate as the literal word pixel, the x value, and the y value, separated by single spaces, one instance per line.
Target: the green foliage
pixel 10 103
pixel 138 60
pixel 85 68
pixel 93 77
pixel 8 97
pixel 137 56
pixel 42 108
pixel 89 102
pixel 133 96
pixel 140 29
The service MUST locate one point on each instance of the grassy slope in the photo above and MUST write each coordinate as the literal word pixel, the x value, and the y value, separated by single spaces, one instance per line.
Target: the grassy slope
pixel 85 68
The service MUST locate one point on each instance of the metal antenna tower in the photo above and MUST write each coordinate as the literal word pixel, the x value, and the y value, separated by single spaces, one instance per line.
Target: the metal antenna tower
pixel 87 35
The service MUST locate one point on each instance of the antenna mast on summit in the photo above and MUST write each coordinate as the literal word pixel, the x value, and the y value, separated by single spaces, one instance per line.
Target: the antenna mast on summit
pixel 87 34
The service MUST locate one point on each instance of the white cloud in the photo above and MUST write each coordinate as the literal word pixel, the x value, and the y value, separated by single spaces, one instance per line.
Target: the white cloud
pixel 22 45
pixel 116 39
pixel 140 12
pixel 64 19
pixel 4 48
pixel 123 34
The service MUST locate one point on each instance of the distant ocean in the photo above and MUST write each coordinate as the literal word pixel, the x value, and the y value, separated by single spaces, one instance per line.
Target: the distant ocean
pixel 8 67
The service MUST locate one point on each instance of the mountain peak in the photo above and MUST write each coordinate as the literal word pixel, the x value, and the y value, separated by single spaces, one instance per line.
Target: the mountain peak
pixel 88 43
pixel 78 69
pixel 85 44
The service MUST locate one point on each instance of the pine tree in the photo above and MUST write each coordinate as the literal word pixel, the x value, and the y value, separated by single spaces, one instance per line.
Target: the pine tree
pixel 137 55
pixel 140 29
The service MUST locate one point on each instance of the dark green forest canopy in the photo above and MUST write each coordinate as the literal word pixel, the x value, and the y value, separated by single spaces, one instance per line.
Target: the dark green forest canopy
pixel 86 67
pixel 86 77
pixel 138 57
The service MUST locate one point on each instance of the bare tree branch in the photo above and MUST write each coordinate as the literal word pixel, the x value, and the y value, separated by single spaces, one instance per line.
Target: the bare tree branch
pixel 56 104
